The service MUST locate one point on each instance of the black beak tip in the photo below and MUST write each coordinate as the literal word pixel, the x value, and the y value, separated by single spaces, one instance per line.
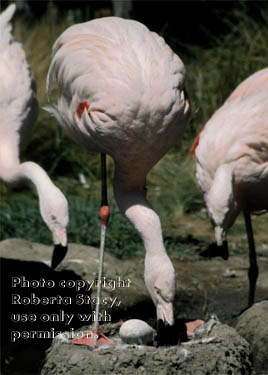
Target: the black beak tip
pixel 213 250
pixel 58 255
pixel 225 250
pixel 167 334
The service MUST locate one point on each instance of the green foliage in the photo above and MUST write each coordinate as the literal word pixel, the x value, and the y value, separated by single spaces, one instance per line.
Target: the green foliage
pixel 84 227
pixel 214 72
pixel 20 218
pixel 172 186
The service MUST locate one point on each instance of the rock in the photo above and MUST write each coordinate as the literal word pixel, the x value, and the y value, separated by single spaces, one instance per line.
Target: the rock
pixel 136 331
pixel 218 350
pixel 253 326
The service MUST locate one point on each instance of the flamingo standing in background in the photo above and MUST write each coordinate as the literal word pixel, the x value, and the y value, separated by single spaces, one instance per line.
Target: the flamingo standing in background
pixel 122 93
pixel 232 162
pixel 18 112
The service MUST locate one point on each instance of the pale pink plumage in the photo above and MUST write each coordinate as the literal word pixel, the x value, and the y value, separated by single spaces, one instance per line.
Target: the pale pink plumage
pixel 257 82
pixel 232 155
pixel 122 93
pixel 18 112
pixel 237 136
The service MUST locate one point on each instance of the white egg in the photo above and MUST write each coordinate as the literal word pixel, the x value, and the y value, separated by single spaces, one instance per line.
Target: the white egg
pixel 136 331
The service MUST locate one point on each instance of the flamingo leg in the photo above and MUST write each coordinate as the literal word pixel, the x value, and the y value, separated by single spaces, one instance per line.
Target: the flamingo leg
pixel 104 216
pixel 99 288
pixel 99 338
pixel 253 271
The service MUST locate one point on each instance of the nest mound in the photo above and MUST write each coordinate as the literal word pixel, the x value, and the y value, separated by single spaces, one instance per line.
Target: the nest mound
pixel 216 349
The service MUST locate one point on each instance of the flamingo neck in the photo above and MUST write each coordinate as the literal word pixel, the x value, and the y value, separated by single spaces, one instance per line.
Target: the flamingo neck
pixel 157 266
pixel 32 172
pixel 134 205
pixel 9 156
pixel 13 173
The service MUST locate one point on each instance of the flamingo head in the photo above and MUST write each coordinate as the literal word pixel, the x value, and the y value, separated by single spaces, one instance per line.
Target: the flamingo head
pixel 163 295
pixel 221 203
pixel 160 282
pixel 54 210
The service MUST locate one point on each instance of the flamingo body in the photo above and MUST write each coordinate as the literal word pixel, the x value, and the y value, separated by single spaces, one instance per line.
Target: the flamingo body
pixel 232 155
pixel 122 93
pixel 126 77
pixel 18 112
pixel 233 147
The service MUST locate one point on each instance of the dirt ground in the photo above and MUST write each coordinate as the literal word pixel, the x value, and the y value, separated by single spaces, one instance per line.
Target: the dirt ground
pixel 216 286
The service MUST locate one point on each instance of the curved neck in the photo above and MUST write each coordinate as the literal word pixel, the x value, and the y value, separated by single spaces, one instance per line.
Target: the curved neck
pixel 32 172
pixel 134 205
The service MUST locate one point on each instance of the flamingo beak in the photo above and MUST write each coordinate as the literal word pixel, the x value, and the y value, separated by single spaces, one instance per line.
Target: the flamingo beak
pixel 221 242
pixel 60 246
pixel 165 312
pixel 224 251
pixel 214 250
pixel 59 253
pixel 165 324
pixel 219 235
pixel 166 334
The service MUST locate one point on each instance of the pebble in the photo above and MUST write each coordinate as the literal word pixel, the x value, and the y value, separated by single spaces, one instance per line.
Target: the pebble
pixel 228 273
pixel 136 331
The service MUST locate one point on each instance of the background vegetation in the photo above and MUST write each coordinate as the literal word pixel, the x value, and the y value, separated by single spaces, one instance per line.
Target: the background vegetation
pixel 213 71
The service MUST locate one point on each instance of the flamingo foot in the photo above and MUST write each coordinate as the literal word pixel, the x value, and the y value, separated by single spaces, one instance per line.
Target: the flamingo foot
pixel 94 338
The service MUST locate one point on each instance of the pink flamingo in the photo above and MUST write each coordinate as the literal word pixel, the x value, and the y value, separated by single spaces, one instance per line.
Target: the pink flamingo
pixel 232 162
pixel 122 93
pixel 18 112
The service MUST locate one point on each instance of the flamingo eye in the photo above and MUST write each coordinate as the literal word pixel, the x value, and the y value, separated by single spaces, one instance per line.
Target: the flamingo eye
pixel 156 290
pixel 53 217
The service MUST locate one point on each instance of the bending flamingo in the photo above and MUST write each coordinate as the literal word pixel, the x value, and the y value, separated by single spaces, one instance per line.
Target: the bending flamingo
pixel 18 112
pixel 122 93
pixel 232 162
